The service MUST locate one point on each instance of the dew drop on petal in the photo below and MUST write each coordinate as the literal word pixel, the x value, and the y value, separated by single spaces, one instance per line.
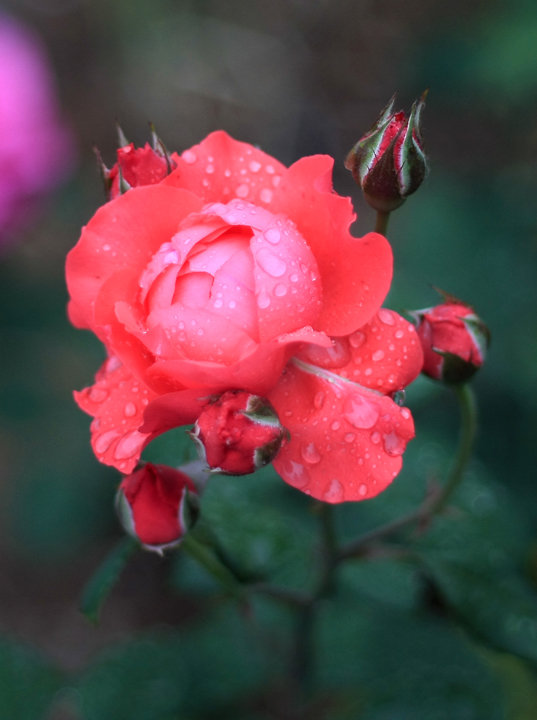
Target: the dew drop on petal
pixel 189 157
pixel 255 166
pixel 263 300
pixel 280 290
pixel 375 438
pixel 399 334
pixel 362 490
pixel 97 394
pixel 242 191
pixel 357 339
pixel 378 355
pixel 335 425
pixel 393 444
pixel 271 264
pixel 130 409
pixel 296 474
pixel 103 442
pixel 273 236
pixel 318 399
pixel 405 412
pixel 127 446
pixel 360 412
pixel 334 492
pixel 349 437
pixel 265 195
pixel 386 317
pixel 310 454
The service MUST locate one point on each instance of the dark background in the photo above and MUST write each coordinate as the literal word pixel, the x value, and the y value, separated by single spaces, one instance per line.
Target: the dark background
pixel 295 77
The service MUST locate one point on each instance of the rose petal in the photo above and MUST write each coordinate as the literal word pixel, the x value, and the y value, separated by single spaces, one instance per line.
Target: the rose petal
pixel 355 272
pixel 122 235
pixel 384 355
pixel 221 168
pixel 345 441
pixel 117 402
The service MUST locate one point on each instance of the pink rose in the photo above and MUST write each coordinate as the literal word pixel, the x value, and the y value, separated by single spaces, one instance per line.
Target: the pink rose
pixel 36 148
pixel 237 273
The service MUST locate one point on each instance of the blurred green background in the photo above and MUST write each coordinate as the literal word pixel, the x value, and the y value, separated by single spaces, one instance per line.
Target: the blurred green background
pixel 456 636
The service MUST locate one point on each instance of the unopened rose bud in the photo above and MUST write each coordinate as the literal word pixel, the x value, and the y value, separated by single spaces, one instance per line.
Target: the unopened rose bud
pixel 454 341
pixel 238 433
pixel 156 505
pixel 136 166
pixel 388 162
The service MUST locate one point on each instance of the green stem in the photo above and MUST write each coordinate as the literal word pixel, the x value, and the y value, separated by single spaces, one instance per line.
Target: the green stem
pixel 329 547
pixel 381 225
pixel 468 408
pixel 437 501
pixel 207 559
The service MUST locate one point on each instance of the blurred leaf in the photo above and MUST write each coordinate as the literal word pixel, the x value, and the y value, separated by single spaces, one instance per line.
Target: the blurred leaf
pixel 519 683
pixel 142 679
pixel 106 576
pixel 27 683
pixel 499 607
pixel 253 519
pixel 217 663
pixel 382 663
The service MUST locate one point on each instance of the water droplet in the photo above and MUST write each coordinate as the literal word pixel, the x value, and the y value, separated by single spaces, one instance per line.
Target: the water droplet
pixel 130 409
pixel 280 290
pixel 209 169
pixel 360 412
pixel 362 490
pixel 273 236
pixel 386 317
pixel 255 166
pixel 128 445
pixel 103 442
pixel 242 191
pixel 271 264
pixel 399 334
pixel 265 195
pixel 357 339
pixel 276 180
pixel 270 169
pixel 227 172
pixel 318 399
pixel 295 474
pixel 189 157
pixel 263 300
pixel 310 454
pixel 334 493
pixel 335 425
pixel 218 303
pixel 349 437
pixel 294 278
pixel 375 438
pixel 378 355
pixel 405 412
pixel 393 444
pixel 97 394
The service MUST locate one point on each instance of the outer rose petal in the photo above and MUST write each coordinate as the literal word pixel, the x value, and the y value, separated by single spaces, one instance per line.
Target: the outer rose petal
pixel 221 168
pixel 356 272
pixel 346 441
pixel 124 234
pixel 384 355
pixel 117 402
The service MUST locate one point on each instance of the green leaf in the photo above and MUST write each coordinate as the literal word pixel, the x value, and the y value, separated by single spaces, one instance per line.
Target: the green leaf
pixel 381 663
pixel 28 684
pixel 105 577
pixel 138 680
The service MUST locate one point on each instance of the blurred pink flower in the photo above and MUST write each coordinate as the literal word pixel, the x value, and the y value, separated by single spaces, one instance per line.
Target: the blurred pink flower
pixel 36 146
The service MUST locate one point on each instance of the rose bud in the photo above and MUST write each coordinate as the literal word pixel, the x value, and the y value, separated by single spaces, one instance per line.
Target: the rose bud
pixel 238 433
pixel 388 162
pixel 454 341
pixel 135 166
pixel 157 506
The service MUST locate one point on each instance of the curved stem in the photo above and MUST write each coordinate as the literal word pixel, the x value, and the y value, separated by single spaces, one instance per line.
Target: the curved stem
pixel 436 501
pixel 468 408
pixel 207 559
pixel 381 225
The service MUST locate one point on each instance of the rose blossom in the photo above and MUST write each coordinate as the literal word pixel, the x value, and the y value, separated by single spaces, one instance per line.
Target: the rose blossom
pixel 237 273
pixel 35 146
